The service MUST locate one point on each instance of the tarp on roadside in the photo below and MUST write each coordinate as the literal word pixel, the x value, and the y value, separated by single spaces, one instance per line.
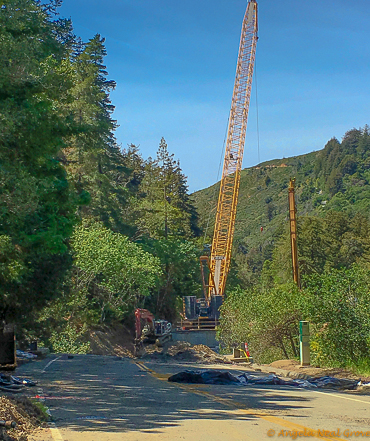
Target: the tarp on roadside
pixel 222 377
pixel 205 377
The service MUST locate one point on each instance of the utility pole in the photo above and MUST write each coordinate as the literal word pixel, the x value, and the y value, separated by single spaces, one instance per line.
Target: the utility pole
pixel 165 214
pixel 293 232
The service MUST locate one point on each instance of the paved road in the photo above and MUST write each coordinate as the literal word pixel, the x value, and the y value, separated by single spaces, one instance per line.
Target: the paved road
pixel 97 398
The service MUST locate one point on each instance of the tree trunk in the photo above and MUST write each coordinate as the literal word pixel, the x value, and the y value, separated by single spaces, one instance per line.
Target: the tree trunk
pixel 283 348
pixel 294 349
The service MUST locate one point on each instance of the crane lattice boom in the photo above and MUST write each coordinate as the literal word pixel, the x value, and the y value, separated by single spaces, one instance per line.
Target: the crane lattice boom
pixel 229 186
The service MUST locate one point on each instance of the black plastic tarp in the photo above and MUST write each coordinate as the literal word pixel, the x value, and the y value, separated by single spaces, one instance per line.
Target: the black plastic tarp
pixel 222 377
pixel 205 377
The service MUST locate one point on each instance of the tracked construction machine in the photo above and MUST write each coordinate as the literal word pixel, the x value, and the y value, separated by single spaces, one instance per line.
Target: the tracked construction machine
pixel 148 330
pixel 215 266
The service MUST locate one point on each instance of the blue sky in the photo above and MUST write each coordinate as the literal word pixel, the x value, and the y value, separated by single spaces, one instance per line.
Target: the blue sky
pixel 174 63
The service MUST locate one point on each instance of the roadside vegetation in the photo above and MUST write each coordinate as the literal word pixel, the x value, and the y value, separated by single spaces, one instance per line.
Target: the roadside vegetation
pixel 90 230
pixel 333 252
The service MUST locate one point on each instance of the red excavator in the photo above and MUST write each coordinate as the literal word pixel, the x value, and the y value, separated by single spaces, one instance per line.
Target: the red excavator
pixel 148 330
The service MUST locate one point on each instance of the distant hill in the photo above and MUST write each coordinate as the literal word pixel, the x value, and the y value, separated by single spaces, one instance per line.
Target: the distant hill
pixel 335 178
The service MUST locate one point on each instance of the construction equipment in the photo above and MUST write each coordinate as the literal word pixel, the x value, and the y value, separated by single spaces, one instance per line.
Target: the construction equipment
pixel 218 262
pixel 148 330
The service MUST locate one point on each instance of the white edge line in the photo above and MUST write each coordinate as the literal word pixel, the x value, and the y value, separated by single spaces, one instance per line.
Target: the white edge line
pixel 52 361
pixel 55 432
pixel 340 396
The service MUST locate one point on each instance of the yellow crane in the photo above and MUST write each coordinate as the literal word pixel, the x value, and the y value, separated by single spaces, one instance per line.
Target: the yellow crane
pixel 219 260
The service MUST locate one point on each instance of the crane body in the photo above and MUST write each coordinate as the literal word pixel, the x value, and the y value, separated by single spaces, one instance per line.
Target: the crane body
pixel 218 263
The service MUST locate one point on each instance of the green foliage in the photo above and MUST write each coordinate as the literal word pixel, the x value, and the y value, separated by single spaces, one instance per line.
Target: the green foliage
pixel 94 162
pixel 180 275
pixel 164 209
pixel 337 304
pixel 11 266
pixel 115 271
pixel 70 340
pixel 267 320
pixel 64 180
pixel 36 204
pixel 333 241
pixel 42 410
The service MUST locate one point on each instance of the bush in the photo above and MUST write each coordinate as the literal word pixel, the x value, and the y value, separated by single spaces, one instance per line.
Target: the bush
pixel 266 319
pixel 70 340
pixel 336 303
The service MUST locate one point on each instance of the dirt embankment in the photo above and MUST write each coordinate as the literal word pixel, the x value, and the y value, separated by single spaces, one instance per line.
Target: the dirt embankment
pixel 24 413
pixel 112 341
pixel 120 341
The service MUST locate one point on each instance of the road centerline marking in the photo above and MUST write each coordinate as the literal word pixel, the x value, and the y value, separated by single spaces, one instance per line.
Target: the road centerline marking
pixel 194 388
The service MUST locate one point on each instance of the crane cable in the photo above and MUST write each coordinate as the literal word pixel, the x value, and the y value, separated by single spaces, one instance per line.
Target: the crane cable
pixel 213 198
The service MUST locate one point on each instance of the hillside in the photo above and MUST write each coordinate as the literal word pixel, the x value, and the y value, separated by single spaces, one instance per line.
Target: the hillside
pixel 335 178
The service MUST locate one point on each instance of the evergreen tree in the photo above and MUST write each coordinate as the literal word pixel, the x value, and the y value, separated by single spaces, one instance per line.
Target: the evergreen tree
pixel 36 204
pixel 165 209
pixel 92 158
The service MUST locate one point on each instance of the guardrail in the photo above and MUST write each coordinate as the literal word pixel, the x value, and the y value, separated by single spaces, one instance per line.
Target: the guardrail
pixel 200 323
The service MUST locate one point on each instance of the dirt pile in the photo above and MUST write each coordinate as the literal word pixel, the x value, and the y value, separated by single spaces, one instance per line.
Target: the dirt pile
pixel 27 415
pixel 183 351
pixel 112 341
pixel 120 341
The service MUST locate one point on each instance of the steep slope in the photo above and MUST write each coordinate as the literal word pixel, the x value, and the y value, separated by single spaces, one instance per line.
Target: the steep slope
pixel 262 200
pixel 335 178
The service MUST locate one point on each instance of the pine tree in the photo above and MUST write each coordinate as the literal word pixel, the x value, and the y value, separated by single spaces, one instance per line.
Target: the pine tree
pixel 93 160
pixel 165 209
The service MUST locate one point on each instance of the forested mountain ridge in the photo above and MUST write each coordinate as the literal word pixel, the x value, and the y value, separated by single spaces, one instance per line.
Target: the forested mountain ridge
pixel 336 178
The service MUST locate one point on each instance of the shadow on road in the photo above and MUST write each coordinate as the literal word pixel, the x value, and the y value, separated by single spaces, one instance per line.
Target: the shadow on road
pixel 101 393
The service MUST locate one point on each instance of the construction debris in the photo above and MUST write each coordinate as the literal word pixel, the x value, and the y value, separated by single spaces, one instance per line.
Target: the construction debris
pixel 184 351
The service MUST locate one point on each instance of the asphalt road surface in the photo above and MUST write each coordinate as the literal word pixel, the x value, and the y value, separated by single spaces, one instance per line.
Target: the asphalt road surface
pixel 100 398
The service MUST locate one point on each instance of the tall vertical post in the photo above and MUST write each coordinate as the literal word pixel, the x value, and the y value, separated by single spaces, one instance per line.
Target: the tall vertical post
pixel 293 231
pixel 304 343
pixel 165 214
